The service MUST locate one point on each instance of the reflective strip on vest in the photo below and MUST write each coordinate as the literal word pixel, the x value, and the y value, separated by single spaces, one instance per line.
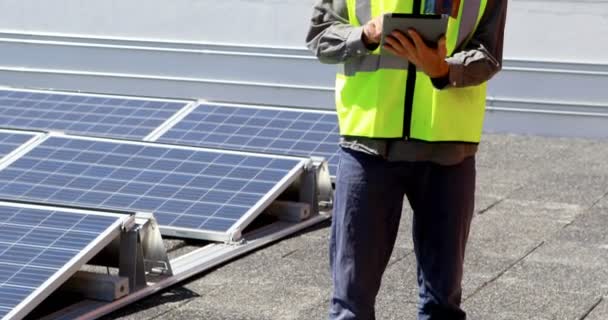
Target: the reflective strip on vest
pixel 370 92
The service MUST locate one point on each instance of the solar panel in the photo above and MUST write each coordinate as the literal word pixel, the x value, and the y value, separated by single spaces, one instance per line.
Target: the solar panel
pixel 193 192
pixel 41 247
pixel 96 115
pixel 260 129
pixel 11 140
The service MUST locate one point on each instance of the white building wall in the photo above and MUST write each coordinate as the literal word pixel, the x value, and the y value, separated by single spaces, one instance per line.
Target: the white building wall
pixel 562 30
pixel 245 22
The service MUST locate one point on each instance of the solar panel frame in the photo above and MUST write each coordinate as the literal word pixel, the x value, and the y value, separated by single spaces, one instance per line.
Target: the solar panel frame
pixel 167 125
pixel 186 104
pixel 34 136
pixel 332 159
pixel 231 234
pixel 53 282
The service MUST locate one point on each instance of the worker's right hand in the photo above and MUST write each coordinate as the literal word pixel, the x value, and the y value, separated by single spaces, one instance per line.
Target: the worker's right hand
pixel 372 31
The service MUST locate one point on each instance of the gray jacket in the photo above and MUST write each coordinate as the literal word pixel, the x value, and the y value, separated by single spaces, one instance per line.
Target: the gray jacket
pixel 333 40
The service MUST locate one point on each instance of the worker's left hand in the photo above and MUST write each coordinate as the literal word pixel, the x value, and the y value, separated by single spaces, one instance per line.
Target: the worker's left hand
pixel 430 60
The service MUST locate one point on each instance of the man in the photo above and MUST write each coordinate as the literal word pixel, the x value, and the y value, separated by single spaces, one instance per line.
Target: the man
pixel 409 131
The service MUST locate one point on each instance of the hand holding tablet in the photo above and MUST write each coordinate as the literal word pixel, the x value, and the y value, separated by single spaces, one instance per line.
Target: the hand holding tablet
pixel 372 32
pixel 430 27
pixel 417 39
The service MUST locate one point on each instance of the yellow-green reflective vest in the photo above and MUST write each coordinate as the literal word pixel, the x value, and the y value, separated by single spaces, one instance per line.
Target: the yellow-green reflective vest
pixel 371 91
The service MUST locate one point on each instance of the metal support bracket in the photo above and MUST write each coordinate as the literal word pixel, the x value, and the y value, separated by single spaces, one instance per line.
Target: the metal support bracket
pixel 139 253
pixel 310 194
pixel 131 259
pixel 325 191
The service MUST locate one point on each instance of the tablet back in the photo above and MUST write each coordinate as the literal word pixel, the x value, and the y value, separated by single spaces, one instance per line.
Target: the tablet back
pixel 430 27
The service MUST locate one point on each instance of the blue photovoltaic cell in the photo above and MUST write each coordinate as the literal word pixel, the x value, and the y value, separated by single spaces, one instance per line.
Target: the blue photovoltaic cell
pixel 87 115
pixel 10 141
pixel 35 244
pixel 279 131
pixel 187 188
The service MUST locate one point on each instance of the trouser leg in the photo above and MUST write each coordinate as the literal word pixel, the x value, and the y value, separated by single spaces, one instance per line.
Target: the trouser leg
pixel 367 209
pixel 443 206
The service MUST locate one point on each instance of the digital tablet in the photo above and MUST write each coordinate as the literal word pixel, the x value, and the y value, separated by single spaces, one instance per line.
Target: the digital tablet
pixel 430 27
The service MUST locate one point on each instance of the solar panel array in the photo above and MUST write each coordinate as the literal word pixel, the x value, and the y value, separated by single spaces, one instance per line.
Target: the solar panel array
pixel 35 244
pixel 189 188
pixel 10 141
pixel 260 129
pixel 85 114
pixel 192 191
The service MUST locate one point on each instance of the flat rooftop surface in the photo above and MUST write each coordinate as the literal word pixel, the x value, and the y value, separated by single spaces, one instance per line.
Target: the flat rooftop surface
pixel 538 250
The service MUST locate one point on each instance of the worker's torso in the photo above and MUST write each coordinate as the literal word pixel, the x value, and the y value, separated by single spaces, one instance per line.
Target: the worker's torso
pixel 376 97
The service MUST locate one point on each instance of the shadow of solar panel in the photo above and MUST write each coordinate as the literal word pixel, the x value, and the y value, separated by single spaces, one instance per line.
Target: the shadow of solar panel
pixel 205 191
pixel 38 246
pixel 11 140
pixel 260 129
pixel 110 116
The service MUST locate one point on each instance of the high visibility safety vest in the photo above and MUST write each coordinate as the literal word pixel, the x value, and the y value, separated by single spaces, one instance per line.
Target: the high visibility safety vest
pixel 378 97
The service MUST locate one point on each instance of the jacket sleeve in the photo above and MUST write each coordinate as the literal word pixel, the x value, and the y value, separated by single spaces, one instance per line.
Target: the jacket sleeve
pixel 481 58
pixel 330 36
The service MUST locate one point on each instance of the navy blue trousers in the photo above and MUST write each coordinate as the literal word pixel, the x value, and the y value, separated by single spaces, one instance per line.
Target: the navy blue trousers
pixel 368 204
